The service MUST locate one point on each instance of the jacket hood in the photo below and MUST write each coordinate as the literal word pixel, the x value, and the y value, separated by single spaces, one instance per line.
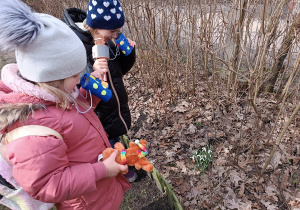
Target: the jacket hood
pixel 72 16
pixel 19 98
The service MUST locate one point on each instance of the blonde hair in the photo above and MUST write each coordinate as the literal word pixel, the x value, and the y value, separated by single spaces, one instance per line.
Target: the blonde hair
pixel 63 97
pixel 53 87
pixel 85 25
pixel 92 30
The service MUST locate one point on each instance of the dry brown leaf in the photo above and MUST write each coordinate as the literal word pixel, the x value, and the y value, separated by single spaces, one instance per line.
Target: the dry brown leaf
pixel 231 201
pixel 232 204
pixel 182 107
pixel 245 206
pixel 170 156
pixel 294 158
pixel 276 160
pixel 191 129
pixel 184 187
pixel 295 204
pixel 271 191
pixel 269 205
pixel 241 190
pixel 176 146
pixel 235 177
pixel 206 204
pixel 243 163
pixel 285 179
pixel 220 134
pixel 208 106
pixel 220 161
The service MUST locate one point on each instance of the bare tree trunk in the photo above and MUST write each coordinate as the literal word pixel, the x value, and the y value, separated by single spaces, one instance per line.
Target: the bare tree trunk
pixel 242 5
pixel 239 35
pixel 282 54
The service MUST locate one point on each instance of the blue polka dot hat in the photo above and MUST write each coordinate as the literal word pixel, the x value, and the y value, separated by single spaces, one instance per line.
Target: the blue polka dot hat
pixel 105 14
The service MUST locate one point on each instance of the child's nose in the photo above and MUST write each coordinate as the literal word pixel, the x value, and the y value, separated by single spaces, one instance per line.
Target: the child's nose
pixel 78 80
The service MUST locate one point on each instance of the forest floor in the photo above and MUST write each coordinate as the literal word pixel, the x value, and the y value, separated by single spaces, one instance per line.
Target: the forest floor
pixel 240 142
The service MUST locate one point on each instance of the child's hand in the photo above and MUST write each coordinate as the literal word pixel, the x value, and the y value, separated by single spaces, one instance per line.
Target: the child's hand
pixel 100 68
pixel 131 43
pixel 112 167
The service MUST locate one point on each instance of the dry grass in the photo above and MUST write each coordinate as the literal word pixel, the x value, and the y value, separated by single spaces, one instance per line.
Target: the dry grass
pixel 234 44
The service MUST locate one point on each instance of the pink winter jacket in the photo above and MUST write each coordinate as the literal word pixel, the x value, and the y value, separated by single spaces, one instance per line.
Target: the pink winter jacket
pixel 63 172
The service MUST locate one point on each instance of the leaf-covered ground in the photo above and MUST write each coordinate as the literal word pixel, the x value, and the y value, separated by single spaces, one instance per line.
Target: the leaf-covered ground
pixel 240 142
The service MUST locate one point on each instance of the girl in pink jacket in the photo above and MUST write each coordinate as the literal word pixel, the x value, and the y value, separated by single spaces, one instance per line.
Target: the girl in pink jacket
pixel 41 90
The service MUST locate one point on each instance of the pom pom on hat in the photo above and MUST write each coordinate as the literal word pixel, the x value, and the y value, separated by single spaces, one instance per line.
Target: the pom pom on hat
pixel 19 26
pixel 105 14
pixel 46 48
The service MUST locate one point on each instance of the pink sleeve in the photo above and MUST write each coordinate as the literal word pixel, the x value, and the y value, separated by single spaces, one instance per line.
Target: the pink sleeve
pixel 41 167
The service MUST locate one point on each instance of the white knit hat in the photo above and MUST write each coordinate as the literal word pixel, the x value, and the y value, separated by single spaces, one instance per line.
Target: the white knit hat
pixel 46 48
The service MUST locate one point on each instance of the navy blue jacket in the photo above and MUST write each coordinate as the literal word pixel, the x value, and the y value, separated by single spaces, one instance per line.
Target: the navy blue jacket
pixel 106 111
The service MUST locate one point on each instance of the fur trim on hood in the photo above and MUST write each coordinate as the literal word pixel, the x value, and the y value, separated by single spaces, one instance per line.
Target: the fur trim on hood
pixel 19 98
pixel 10 113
